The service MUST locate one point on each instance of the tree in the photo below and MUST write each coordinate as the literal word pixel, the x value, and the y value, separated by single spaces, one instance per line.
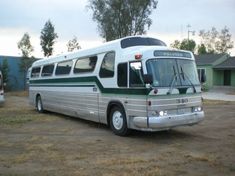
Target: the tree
pixel 176 44
pixel 73 44
pixel 27 59
pixel 48 37
pixel 224 43
pixel 201 49
pixel 184 44
pixel 208 38
pixel 216 42
pixel 188 45
pixel 120 18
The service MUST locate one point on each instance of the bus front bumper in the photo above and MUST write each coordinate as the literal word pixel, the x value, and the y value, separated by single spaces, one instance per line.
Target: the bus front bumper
pixel 167 122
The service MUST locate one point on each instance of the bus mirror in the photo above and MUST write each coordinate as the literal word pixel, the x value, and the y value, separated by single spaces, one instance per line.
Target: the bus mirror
pixel 148 78
pixel 4 84
pixel 203 78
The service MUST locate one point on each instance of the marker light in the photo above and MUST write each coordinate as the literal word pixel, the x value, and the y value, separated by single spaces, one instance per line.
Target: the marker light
pixel 163 113
pixel 138 56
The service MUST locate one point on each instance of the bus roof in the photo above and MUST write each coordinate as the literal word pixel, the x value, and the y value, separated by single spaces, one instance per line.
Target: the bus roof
pixel 125 46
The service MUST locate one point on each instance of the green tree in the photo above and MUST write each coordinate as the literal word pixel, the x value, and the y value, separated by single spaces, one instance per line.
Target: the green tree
pixel 48 37
pixel 27 59
pixel 201 49
pixel 176 44
pixel 73 44
pixel 188 45
pixel 216 42
pixel 120 18
pixel 184 44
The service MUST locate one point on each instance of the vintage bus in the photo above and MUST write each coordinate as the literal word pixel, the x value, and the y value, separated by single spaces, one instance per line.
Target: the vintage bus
pixel 1 89
pixel 130 83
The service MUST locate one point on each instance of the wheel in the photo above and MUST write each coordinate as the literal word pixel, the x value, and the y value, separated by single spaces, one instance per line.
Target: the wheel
pixel 39 105
pixel 118 121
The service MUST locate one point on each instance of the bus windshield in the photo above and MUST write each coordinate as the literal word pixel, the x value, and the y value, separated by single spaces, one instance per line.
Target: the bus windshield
pixel 165 72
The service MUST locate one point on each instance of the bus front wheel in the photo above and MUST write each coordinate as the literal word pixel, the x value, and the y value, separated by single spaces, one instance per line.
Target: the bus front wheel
pixel 118 121
pixel 39 105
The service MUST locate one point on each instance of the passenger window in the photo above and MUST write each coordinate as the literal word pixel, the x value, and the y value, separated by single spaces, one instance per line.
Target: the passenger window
pixel 63 68
pixel 47 70
pixel 107 66
pixel 136 74
pixel 85 65
pixel 122 75
pixel 35 72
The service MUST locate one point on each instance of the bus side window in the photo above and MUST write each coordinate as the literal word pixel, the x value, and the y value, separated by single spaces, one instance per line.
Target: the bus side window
pixel 85 65
pixel 47 70
pixel 122 75
pixel 136 74
pixel 35 72
pixel 107 66
pixel 63 68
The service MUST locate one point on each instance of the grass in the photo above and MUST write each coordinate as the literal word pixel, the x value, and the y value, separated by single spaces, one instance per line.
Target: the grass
pixel 18 93
pixel 14 120
pixel 217 102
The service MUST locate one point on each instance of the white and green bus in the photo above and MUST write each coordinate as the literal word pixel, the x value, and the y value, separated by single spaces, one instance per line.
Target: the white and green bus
pixel 130 83
pixel 1 89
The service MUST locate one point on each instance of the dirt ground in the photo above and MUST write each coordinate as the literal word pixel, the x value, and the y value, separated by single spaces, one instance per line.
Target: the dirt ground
pixel 53 144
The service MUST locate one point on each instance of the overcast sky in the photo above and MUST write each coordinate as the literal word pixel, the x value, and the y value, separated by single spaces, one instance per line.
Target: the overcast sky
pixel 72 18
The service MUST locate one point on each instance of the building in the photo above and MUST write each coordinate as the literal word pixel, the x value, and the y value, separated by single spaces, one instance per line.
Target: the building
pixel 219 69
pixel 16 78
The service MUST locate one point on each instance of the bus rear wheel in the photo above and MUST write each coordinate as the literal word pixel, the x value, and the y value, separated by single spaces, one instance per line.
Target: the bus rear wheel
pixel 118 122
pixel 39 105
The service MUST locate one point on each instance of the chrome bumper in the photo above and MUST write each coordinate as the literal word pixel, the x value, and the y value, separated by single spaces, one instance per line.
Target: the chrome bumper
pixel 167 122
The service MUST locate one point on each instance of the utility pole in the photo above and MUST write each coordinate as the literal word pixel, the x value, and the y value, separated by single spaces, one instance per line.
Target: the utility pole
pixel 193 33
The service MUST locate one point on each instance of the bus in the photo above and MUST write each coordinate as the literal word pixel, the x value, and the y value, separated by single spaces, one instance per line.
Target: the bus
pixel 130 83
pixel 1 89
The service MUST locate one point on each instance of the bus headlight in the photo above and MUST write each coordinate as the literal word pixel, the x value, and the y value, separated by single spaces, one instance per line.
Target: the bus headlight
pixel 197 109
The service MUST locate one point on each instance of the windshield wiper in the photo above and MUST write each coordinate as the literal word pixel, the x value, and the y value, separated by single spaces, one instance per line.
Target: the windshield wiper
pixel 187 78
pixel 172 82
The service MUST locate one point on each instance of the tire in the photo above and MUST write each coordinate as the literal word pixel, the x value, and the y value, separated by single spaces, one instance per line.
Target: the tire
pixel 118 122
pixel 39 105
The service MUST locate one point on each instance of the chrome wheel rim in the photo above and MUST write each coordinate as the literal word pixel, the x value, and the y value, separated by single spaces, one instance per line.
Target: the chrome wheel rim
pixel 117 120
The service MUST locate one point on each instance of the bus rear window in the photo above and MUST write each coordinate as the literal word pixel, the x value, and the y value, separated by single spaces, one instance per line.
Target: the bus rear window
pixel 35 72
pixel 140 41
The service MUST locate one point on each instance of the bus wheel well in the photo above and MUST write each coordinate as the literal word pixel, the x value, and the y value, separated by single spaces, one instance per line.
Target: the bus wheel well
pixel 110 107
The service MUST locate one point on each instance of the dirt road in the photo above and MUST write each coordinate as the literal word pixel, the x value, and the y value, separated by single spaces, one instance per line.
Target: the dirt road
pixel 53 144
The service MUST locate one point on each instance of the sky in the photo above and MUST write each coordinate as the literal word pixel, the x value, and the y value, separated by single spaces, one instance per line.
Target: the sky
pixel 73 18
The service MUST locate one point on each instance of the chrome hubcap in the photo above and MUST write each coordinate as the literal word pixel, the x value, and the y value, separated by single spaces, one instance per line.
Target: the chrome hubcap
pixel 117 120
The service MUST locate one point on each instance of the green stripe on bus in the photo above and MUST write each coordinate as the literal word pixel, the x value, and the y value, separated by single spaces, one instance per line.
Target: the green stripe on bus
pixel 69 82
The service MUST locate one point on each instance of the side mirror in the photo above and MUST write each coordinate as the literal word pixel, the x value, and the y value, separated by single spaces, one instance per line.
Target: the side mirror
pixel 148 78
pixel 4 84
pixel 203 78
